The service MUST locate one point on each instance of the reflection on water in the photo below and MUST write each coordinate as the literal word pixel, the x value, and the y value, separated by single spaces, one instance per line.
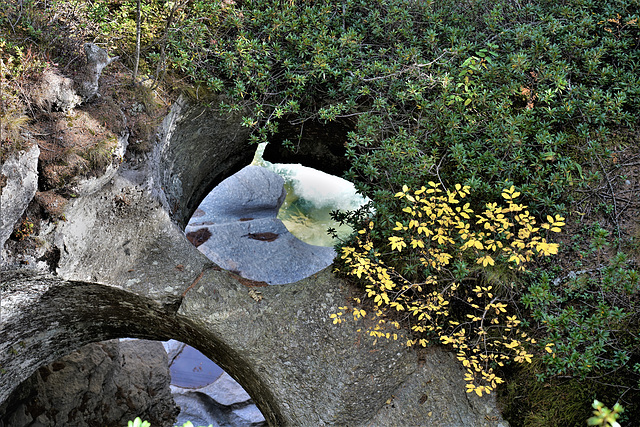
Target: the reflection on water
pixel 192 369
pixel 311 196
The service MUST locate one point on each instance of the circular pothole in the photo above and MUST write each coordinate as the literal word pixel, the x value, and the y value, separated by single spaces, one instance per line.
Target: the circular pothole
pixel 268 223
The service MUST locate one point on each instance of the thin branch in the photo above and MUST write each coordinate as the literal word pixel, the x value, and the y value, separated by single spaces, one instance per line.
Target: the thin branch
pixel 406 70
pixel 615 205
pixel 138 31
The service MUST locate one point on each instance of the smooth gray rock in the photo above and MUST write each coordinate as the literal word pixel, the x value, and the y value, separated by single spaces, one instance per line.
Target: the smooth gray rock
pixel 107 383
pixel 197 408
pixel 226 391
pixel 237 247
pixel 249 416
pixel 253 192
pixel 173 349
pixel 20 173
pixel 247 238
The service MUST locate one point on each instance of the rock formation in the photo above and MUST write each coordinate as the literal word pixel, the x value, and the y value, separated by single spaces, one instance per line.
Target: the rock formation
pixel 218 401
pixel 87 81
pixel 18 185
pixel 126 269
pixel 55 92
pixel 102 384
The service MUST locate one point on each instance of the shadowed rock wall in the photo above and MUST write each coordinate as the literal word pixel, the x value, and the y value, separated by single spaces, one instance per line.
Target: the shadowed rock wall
pixel 198 149
pixel 102 384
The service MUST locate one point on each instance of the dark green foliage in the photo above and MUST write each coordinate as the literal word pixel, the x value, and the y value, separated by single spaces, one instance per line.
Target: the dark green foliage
pixel 591 318
pixel 489 94
pixel 561 402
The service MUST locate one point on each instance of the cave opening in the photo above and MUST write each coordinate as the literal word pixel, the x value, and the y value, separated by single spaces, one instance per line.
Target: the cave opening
pixel 112 382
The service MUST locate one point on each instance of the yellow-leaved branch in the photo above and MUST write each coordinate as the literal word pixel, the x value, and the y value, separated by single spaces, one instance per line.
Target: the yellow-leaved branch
pixel 438 230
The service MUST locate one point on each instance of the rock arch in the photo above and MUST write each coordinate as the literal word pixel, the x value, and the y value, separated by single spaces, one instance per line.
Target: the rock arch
pixel 127 270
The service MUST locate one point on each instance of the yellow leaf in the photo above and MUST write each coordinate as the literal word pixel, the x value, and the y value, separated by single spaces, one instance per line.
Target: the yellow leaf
pixel 486 260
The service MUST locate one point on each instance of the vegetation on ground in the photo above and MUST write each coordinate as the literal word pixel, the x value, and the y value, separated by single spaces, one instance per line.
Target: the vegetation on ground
pixel 538 97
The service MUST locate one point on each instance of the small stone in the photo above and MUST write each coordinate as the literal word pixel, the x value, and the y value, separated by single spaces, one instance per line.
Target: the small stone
pixel 250 415
pixel 226 391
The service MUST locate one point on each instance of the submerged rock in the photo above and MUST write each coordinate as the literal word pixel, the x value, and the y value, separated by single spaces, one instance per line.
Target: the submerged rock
pixel 203 399
pixel 222 403
pixel 252 193
pixel 243 235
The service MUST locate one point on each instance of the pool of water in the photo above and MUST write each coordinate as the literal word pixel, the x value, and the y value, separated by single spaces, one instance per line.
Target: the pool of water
pixel 192 369
pixel 311 197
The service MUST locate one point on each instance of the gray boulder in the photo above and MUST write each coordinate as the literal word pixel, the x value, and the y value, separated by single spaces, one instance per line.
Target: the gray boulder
pixel 252 193
pixel 18 185
pixel 54 92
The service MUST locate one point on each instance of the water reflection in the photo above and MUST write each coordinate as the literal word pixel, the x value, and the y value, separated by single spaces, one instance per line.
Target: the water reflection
pixel 311 196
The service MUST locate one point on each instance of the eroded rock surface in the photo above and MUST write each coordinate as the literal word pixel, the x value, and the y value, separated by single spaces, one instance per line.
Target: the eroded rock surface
pixel 54 92
pixel 102 384
pixel 19 182
pixel 126 269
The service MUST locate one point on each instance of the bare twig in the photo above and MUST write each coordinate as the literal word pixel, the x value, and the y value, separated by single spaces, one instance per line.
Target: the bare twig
pixel 193 284
pixel 406 70
pixel 615 205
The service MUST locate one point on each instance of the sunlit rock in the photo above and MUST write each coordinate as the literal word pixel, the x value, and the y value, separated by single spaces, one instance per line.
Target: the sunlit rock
pixel 244 236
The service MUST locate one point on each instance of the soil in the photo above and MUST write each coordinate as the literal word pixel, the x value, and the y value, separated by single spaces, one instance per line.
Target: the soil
pixel 608 201
pixel 82 142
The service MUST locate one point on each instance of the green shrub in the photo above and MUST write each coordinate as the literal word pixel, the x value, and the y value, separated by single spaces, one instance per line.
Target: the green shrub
pixel 590 319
